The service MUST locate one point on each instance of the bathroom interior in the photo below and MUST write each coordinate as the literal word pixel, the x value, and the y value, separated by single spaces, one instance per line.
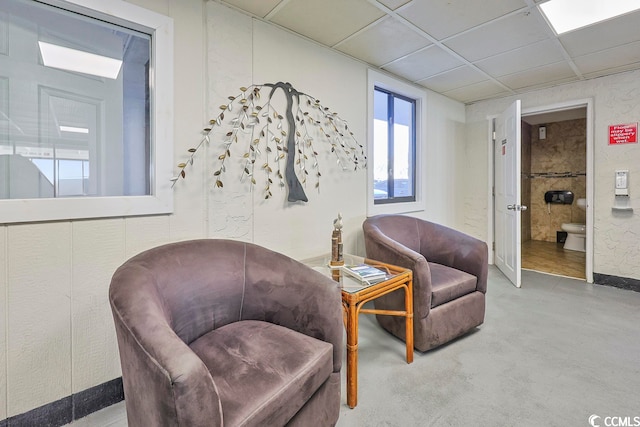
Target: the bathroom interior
pixel 554 159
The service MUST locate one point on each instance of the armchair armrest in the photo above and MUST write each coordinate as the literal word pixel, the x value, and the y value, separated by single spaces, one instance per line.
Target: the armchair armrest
pixel 383 248
pixel 380 247
pixel 177 384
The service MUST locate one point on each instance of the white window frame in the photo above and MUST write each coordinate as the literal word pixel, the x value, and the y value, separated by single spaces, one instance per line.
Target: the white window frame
pixel 161 86
pixel 384 81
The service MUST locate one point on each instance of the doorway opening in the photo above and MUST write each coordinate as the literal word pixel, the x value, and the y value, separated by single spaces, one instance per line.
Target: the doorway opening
pixel 578 172
pixel 553 181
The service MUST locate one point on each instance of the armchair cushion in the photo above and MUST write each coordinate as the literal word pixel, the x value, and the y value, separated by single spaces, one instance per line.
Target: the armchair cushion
pixel 449 284
pixel 265 382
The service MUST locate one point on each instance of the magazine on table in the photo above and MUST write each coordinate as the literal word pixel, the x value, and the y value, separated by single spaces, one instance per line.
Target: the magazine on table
pixel 365 273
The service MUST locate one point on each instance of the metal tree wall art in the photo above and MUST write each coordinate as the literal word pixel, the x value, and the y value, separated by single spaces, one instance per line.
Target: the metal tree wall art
pixel 274 148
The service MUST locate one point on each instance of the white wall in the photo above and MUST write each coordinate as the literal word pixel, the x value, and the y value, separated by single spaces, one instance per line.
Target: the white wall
pixel 616 100
pixel 443 156
pixel 56 330
pixel 243 51
pixel 258 54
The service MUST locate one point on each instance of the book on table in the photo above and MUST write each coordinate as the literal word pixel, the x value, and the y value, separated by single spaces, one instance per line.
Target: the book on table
pixel 364 272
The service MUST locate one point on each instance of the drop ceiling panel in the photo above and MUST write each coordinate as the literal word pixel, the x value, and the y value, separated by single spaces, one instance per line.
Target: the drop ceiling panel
pixel 383 42
pixel 498 39
pixel 258 8
pixel 530 56
pixel 394 4
pixel 560 71
pixel 621 57
pixel 477 91
pixel 443 18
pixel 499 36
pixel 449 80
pixel 423 64
pixel 327 21
pixel 615 32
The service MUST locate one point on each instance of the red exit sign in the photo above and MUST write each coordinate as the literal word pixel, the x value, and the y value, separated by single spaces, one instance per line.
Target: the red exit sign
pixel 623 134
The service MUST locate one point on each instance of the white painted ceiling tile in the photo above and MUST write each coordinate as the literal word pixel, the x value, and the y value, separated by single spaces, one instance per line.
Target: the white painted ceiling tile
pixel 530 56
pixel 443 18
pixel 449 80
pixel 394 4
pixel 327 21
pixel 478 91
pixel 621 57
pixel 541 75
pixel 548 84
pixel 501 36
pixel 258 8
pixel 383 42
pixel 426 63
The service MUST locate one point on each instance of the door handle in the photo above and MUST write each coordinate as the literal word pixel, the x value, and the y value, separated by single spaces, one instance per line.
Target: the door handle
pixel 516 207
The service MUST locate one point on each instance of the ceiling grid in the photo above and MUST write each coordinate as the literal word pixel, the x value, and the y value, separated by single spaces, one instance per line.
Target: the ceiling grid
pixel 468 51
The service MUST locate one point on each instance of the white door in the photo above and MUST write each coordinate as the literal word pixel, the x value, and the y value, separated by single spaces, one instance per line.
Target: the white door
pixel 507 208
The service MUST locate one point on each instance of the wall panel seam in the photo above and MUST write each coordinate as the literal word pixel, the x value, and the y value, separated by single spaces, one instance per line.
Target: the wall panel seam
pixel 5 368
pixel 71 319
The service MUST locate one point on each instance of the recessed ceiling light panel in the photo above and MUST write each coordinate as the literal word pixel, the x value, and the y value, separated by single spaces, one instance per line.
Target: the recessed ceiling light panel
pixel 568 15
pixel 68 59
pixel 73 129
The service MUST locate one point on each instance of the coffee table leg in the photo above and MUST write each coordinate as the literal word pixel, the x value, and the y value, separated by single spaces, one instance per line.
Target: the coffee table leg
pixel 352 356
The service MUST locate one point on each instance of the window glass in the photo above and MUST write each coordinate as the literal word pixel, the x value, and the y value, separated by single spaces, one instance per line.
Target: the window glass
pixel 86 110
pixel 396 152
pixel 394 144
pixel 381 146
pixel 403 145
pixel 75 105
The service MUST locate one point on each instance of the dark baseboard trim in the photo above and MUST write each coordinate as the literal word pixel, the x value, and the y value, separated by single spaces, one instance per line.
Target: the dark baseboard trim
pixel 70 408
pixel 618 282
pixel 98 397
pixel 52 414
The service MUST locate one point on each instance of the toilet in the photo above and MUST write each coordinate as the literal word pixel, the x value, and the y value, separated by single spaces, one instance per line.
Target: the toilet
pixel 576 233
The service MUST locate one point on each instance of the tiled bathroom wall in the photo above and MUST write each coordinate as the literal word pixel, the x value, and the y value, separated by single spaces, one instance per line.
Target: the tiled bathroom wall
pixel 557 163
pixel 525 180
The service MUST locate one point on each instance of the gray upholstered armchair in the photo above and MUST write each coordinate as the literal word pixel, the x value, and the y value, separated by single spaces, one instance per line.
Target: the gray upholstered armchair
pixel 227 333
pixel 449 277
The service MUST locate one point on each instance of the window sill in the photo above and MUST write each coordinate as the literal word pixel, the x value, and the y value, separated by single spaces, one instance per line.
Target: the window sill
pixel 395 208
pixel 35 210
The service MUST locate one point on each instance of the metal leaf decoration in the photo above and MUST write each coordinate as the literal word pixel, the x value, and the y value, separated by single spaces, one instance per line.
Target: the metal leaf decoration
pixel 279 150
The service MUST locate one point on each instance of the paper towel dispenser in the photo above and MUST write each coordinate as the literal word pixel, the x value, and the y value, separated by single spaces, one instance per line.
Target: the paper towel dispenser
pixel 561 197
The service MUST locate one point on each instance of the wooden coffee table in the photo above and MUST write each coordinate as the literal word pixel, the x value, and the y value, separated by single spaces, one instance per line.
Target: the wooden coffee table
pixel 355 294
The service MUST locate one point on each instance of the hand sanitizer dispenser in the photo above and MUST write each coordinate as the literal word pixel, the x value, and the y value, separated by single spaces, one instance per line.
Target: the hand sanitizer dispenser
pixel 622 183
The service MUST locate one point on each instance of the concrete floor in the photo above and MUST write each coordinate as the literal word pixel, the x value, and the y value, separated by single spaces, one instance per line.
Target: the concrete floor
pixel 552 353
